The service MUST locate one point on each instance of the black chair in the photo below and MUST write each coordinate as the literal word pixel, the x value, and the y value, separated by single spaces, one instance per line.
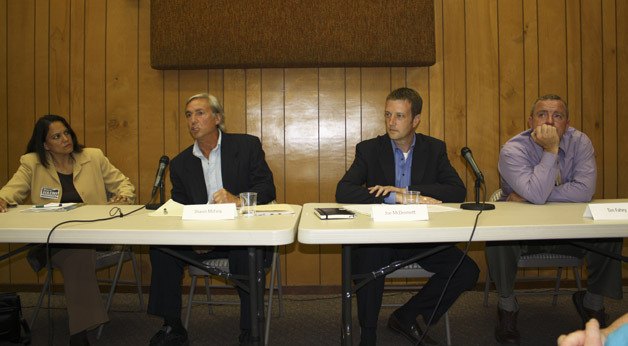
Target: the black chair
pixel 223 264
pixel 541 260
pixel 104 259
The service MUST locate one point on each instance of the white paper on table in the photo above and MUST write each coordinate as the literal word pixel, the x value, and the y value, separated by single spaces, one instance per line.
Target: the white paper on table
pixel 364 209
pixel 170 208
pixel 273 209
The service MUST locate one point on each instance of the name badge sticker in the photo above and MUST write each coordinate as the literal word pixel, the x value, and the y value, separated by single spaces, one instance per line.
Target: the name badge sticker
pixel 606 211
pixel 225 211
pixel 49 193
pixel 400 212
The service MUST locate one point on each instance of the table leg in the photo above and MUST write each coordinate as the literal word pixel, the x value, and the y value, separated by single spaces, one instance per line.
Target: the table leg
pixel 255 330
pixel 346 296
pixel 260 274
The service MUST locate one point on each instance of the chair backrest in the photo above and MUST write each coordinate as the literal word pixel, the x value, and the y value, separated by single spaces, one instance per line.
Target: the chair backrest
pixel 110 258
pixel 496 196
pixel 548 260
pixel 220 263
pixel 411 271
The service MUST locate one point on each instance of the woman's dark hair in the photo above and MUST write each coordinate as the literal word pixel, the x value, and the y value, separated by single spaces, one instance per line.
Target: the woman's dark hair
pixel 40 132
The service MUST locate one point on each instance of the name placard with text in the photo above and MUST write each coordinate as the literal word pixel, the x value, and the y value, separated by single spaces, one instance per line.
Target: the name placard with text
pixel 400 212
pixel 607 211
pixel 225 211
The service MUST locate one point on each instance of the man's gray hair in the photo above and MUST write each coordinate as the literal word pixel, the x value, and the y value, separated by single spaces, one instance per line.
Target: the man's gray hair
pixel 214 105
pixel 551 97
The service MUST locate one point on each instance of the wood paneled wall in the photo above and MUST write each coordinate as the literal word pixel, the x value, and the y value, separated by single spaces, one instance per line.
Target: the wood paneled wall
pixel 89 60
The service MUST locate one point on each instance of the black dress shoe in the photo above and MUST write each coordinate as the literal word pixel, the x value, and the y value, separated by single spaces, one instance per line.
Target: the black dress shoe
pixel 167 336
pixel 37 257
pixel 506 331
pixel 587 314
pixel 412 331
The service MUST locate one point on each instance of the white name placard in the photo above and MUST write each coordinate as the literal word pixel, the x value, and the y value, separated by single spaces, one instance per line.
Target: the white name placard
pixel 399 212
pixel 607 211
pixel 225 211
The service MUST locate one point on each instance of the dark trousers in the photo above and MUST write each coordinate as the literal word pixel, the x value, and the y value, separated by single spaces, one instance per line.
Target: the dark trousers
pixel 167 276
pixel 367 258
pixel 603 273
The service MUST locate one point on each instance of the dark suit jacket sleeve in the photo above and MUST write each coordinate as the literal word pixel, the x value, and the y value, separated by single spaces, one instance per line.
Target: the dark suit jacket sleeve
pixel 177 193
pixel 440 180
pixel 352 187
pixel 244 167
pixel 186 176
pixel 432 173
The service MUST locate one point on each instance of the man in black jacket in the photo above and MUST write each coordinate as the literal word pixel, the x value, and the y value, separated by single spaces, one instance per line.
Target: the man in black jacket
pixel 215 169
pixel 383 169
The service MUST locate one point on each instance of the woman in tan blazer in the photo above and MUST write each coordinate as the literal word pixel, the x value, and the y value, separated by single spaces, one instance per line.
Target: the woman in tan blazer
pixel 57 169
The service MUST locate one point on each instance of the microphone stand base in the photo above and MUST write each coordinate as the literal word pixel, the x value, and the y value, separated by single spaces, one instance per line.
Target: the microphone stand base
pixel 154 206
pixel 477 206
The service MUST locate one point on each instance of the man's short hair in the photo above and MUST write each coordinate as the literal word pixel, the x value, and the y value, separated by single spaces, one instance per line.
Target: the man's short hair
pixel 214 105
pixel 550 97
pixel 410 95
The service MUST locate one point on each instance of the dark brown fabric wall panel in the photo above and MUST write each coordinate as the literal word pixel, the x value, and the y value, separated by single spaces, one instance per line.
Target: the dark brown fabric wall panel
pixel 291 33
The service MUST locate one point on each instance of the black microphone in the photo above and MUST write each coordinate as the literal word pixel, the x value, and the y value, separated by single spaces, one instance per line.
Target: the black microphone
pixel 163 163
pixel 479 179
pixel 466 153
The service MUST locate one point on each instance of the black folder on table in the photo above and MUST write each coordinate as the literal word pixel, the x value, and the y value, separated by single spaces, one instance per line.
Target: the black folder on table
pixel 333 213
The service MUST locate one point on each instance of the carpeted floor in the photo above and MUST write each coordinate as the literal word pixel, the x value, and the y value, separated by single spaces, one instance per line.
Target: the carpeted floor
pixel 315 320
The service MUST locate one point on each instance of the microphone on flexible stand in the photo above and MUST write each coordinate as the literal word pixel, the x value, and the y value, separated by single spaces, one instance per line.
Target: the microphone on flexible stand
pixel 159 184
pixel 479 179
